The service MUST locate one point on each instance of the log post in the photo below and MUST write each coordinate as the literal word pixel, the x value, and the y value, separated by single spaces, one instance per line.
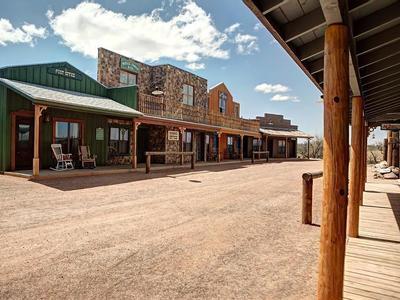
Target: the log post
pixel 205 147
pixel 336 160
pixel 365 160
pixel 308 148
pixel 286 148
pixel 259 147
pixel 193 160
pixel 219 147
pixel 148 162
pixel 241 147
pixel 135 126
pixel 182 131
pixel 306 216
pixel 395 155
pixel 390 148
pixel 356 164
pixel 36 140
pixel 385 149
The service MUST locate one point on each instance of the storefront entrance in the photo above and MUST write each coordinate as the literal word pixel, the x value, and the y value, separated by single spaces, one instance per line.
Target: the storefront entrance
pixel 23 143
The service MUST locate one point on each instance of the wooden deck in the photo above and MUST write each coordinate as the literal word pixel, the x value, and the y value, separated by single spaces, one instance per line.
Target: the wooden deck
pixel 372 268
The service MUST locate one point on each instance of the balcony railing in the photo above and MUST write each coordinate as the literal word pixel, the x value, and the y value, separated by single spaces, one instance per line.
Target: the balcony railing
pixel 155 106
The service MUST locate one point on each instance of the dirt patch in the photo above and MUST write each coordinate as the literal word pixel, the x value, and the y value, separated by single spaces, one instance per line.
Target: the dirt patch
pixel 217 232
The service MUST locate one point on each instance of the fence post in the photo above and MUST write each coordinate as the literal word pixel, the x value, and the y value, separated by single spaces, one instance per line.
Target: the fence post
pixel 252 158
pixel 148 161
pixel 306 216
pixel 192 161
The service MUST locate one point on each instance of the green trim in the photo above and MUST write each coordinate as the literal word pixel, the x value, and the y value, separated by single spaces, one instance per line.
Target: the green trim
pixel 129 65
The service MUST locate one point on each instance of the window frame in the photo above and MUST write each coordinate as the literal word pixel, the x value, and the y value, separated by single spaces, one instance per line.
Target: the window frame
pixel 68 120
pixel 122 84
pixel 282 148
pixel 187 94
pixel 221 109
pixel 120 142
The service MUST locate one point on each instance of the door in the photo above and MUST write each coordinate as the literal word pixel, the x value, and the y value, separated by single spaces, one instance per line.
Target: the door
pixel 23 143
pixel 199 146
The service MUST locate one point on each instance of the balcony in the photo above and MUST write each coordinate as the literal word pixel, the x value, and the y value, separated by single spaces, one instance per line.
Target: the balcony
pixel 155 106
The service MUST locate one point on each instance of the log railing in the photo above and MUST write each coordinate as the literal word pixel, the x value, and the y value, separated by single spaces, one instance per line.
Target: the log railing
pixel 253 157
pixel 149 154
pixel 308 178
pixel 156 106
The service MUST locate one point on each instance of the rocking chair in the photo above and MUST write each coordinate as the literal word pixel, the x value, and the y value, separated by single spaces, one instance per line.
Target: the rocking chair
pixel 64 161
pixel 86 157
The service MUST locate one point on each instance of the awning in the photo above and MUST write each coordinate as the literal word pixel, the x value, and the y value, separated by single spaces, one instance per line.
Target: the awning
pixel 64 99
pixel 285 133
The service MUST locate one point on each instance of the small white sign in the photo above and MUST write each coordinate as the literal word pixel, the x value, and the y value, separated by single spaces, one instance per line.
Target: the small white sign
pixel 173 135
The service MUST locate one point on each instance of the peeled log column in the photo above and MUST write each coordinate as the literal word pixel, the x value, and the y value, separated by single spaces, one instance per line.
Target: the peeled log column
pixel 336 159
pixel 385 145
pixel 395 155
pixel 356 164
pixel 390 148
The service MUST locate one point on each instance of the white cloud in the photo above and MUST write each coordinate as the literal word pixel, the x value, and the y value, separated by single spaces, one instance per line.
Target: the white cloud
pixel 188 36
pixel 279 97
pixel 232 28
pixel 246 43
pixel 268 88
pixel 121 1
pixel 257 26
pixel 27 34
pixel 196 66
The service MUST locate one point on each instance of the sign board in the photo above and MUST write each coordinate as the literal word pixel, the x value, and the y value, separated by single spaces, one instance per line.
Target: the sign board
pixel 129 65
pixel 173 135
pixel 390 127
pixel 99 134
pixel 65 72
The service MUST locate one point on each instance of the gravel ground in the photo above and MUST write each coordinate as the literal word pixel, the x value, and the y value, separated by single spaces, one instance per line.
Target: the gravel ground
pixel 219 232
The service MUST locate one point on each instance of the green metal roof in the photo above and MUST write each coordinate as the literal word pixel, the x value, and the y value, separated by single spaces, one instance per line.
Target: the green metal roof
pixel 69 100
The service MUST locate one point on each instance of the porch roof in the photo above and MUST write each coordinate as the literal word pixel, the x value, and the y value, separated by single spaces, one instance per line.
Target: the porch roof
pixel 64 99
pixel 285 133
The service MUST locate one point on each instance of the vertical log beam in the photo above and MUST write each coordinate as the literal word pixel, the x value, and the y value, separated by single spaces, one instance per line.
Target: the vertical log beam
pixel 308 148
pixel 306 216
pixel 182 131
pixel 385 149
pixel 286 148
pixel 365 160
pixel 259 147
pixel 36 140
pixel 205 147
pixel 336 159
pixel 356 164
pixel 241 147
pixel 135 126
pixel 390 148
pixel 395 155
pixel 219 147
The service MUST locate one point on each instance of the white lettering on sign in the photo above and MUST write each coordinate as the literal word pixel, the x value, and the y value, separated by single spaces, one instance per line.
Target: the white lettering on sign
pixel 173 135
pixel 65 73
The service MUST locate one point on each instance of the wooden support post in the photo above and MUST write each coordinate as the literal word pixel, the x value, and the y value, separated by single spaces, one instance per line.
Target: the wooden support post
pixel 219 147
pixel 306 216
pixel 308 148
pixel 135 126
pixel 148 162
pixel 266 142
pixel 390 148
pixel 385 149
pixel 365 160
pixel 286 148
pixel 182 131
pixel 259 147
pixel 36 140
pixel 356 165
pixel 241 147
pixel 193 160
pixel 205 147
pixel 336 161
pixel 395 155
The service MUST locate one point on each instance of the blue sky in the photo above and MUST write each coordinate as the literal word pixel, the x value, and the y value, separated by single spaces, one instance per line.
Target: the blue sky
pixel 218 40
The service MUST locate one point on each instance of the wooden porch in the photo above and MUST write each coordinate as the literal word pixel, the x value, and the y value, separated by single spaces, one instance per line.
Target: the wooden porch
pixel 372 262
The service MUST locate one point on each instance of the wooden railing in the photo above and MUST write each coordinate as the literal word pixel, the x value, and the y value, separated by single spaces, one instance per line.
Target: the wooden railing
pixel 308 178
pixel 155 106
pixel 253 157
pixel 157 153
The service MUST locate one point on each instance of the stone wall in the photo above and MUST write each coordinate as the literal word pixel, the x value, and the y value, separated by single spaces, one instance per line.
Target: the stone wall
pixel 156 142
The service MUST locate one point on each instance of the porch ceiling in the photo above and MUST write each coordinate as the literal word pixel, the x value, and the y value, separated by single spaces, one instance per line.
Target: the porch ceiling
pixel 69 100
pixel 374 63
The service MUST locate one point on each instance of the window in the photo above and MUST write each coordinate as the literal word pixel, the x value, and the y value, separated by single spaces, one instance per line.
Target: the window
pixel 230 141
pixel 119 141
pixel 187 92
pixel 68 135
pixel 126 78
pixel 282 147
pixel 23 132
pixel 256 144
pixel 187 141
pixel 222 102
pixel 236 111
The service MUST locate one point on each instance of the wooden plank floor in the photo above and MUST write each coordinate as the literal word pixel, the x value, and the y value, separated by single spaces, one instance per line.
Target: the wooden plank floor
pixel 372 268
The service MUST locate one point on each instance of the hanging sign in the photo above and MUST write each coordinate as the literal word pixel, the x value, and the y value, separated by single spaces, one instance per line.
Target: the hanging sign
pixel 173 135
pixel 65 72
pixel 99 134
pixel 390 126
pixel 129 65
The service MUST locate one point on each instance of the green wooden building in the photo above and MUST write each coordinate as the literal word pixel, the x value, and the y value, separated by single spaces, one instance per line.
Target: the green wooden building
pixel 57 103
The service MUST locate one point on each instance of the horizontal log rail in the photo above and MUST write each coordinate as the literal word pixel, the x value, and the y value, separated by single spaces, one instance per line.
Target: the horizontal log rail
pixel 149 154
pixel 308 179
pixel 253 157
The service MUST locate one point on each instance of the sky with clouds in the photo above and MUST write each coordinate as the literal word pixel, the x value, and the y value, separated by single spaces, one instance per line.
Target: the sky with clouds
pixel 219 40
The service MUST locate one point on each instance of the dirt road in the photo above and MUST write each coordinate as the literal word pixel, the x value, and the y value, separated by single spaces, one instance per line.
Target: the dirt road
pixel 220 232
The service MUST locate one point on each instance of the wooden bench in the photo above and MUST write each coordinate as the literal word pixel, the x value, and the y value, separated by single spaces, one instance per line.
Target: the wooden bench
pixel 182 154
pixel 259 155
